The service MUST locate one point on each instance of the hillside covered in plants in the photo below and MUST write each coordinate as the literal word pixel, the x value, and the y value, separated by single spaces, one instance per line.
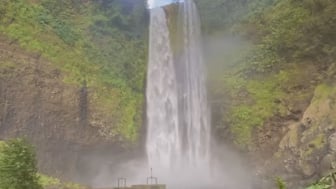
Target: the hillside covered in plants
pixel 272 82
pixel 73 79
pixel 96 46
pixel 72 76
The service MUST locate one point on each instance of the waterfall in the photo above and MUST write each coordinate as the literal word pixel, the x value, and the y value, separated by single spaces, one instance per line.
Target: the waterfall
pixel 163 138
pixel 178 119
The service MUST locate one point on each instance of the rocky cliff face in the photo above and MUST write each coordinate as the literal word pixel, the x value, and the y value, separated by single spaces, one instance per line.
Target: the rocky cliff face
pixel 56 117
pixel 300 147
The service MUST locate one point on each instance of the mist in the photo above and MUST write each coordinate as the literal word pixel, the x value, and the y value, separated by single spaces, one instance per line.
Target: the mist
pixel 102 169
pixel 228 167
pixel 223 50
pixel 214 165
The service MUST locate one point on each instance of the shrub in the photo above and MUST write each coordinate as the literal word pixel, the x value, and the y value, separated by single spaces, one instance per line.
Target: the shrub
pixel 18 166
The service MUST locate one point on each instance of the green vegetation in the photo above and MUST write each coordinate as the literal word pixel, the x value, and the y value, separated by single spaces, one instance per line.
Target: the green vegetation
pixel 103 44
pixel 292 31
pixel 100 43
pixel 324 183
pixel 46 181
pixel 261 104
pixel 281 38
pixel 280 183
pixel 2 144
pixel 323 91
pixel 18 166
pixel 50 182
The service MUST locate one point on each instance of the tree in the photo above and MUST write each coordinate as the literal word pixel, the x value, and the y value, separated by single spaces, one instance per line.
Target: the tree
pixel 18 166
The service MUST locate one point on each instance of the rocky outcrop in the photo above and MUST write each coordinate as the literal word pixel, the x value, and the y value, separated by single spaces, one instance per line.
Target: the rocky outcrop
pixel 307 149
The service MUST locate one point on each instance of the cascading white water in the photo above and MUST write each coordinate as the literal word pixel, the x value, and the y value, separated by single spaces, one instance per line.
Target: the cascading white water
pixel 163 137
pixel 178 120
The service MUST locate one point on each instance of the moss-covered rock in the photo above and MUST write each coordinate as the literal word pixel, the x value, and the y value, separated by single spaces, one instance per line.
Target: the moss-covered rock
pixel 309 142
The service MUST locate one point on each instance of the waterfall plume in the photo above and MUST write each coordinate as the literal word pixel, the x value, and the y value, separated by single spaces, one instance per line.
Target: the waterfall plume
pixel 178 118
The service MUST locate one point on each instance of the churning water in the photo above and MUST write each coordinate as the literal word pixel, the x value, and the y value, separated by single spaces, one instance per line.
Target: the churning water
pixel 178 130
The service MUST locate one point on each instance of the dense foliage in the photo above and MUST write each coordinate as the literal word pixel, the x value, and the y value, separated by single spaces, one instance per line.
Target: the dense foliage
pixel 293 31
pixel 280 37
pixel 18 166
pixel 100 44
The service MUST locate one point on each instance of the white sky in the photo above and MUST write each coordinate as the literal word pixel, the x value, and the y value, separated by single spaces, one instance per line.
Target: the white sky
pixel 158 3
